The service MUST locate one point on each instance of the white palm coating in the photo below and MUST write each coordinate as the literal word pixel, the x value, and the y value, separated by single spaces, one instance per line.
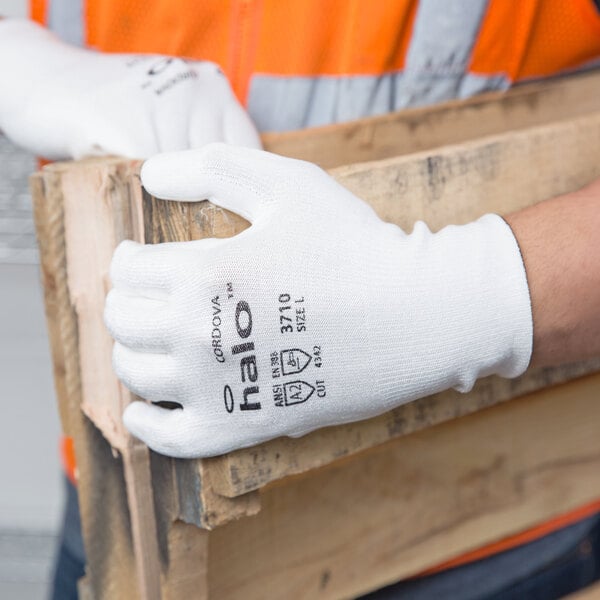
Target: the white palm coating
pixel 318 314
pixel 60 101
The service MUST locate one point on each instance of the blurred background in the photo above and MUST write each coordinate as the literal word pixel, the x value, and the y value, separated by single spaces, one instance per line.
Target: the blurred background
pixel 30 485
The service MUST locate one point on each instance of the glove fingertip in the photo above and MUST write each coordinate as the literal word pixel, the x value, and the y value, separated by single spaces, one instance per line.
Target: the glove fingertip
pixel 124 250
pixel 121 257
pixel 144 421
pixel 161 429
pixel 159 174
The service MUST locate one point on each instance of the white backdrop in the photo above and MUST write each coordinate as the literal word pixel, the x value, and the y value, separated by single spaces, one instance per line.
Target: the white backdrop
pixel 13 8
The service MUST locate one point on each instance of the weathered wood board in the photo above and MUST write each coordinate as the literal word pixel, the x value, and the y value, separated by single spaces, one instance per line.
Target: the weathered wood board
pixel 415 502
pixel 425 128
pixel 400 508
pixel 112 562
pixel 242 471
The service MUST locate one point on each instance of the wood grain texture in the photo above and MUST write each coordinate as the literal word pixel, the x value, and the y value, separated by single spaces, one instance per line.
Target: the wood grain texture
pixel 250 469
pixel 415 502
pixel 170 221
pixel 118 520
pixel 60 318
pixel 500 173
pixel 418 129
pixel 100 210
pixel 102 499
pixel 187 575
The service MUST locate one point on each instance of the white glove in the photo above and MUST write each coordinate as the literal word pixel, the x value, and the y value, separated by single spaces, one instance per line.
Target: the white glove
pixel 60 101
pixel 318 314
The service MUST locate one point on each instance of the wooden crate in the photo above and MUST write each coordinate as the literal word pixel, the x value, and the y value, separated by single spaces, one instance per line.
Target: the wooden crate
pixel 346 509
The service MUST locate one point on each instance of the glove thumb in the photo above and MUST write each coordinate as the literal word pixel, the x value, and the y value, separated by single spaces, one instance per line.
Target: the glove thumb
pixel 159 428
pixel 232 177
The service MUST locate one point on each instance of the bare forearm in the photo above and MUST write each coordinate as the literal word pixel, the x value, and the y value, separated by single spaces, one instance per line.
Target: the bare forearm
pixel 560 243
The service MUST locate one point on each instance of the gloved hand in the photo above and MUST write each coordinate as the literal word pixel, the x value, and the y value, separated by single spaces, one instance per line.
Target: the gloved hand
pixel 60 101
pixel 318 314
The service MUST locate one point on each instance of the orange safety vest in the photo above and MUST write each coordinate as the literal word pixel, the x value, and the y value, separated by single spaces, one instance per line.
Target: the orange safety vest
pixel 311 62
pixel 300 63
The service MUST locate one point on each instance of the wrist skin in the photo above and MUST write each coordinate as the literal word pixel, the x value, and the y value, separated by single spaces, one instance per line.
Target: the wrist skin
pixel 559 241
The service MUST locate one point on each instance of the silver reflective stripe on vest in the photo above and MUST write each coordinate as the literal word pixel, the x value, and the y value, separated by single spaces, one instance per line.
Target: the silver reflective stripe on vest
pixel 473 84
pixel 440 49
pixel 65 18
pixel 285 103
pixel 436 69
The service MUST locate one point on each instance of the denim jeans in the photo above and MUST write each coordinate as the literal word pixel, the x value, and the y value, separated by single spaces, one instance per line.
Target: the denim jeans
pixel 547 568
pixel 70 561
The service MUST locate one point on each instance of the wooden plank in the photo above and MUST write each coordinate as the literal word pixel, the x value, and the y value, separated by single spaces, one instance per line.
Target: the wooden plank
pixel 112 567
pixel 99 211
pixel 114 522
pixel 101 197
pixel 138 485
pixel 244 470
pixel 415 502
pixel 60 319
pixel 102 500
pixel 187 575
pixel 502 173
pixel 428 127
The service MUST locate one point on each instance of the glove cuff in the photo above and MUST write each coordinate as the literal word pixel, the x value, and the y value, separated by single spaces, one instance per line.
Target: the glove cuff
pixel 493 296
pixel 460 310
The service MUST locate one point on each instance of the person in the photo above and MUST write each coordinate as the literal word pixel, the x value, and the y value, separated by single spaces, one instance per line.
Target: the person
pixel 417 312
